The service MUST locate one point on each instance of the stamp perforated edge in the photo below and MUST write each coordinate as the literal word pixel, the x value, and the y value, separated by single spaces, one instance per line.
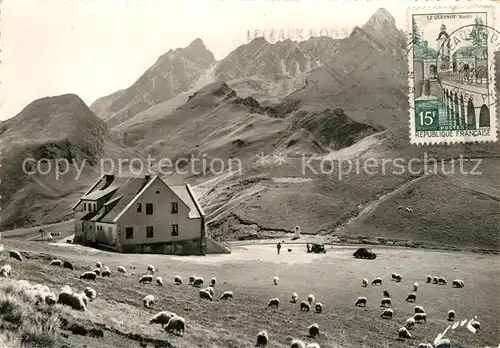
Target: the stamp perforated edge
pixel 461 6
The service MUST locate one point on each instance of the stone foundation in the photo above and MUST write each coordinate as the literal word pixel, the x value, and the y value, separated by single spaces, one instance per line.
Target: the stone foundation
pixel 184 247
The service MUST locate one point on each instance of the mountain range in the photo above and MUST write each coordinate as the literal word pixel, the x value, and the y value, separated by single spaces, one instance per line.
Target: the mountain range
pixel 317 101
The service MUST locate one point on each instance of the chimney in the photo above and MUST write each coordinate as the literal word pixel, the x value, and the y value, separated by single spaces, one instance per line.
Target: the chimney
pixel 109 179
pixel 147 177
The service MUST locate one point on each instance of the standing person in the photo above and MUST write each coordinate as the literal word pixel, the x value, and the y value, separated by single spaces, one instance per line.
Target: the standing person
pixel 308 248
pixel 278 246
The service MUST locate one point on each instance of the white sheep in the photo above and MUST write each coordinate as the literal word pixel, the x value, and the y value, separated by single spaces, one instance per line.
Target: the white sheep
pixel 364 282
pixel 429 279
pixel 121 269
pixel 212 282
pixel 415 286
pixel 57 263
pixel 386 302
pixel 69 298
pixel 425 345
pixel 90 293
pixel 386 293
pixel 442 281
pixel 97 271
pixel 295 297
pixel 297 344
pixel 162 318
pixel 204 293
pixel 409 323
pixel 146 279
pixel 305 306
pixel 310 298
pixel 211 290
pixel 361 301
pixel 419 309
pixel 15 255
pixel 5 271
pixel 178 280
pixel 148 301
pixel 476 324
pixel 435 280
pixel 177 325
pixel 191 279
pixel 274 302
pixel 276 280
pixel 106 273
pixel 412 297
pixel 98 264
pixel 444 343
pixel 398 278
pixel 393 276
pixel 50 298
pixel 457 283
pixel 88 276
pixel 262 339
pixel 319 307
pixel 404 333
pixel 451 315
pixel 159 281
pixel 419 317
pixel 313 345
pixel 198 282
pixel 227 295
pixel 313 330
pixel 151 269
pixel 387 314
pixel 377 281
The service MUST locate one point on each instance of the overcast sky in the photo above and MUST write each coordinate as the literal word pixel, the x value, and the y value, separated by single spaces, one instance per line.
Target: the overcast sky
pixel 95 47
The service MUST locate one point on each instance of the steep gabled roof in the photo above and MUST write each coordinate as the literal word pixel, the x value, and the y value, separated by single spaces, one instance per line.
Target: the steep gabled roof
pixel 184 194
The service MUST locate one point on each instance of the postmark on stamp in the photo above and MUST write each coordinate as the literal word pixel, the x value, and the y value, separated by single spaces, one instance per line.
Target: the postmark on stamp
pixel 452 74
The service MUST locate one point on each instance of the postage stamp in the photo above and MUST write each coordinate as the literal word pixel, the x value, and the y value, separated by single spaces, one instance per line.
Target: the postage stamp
pixel 452 74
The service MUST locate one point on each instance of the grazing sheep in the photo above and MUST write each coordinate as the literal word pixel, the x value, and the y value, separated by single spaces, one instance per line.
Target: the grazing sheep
pixel 442 281
pixel 310 298
pixel 276 280
pixel 212 282
pixel 305 306
pixel 121 269
pixel 409 323
pixel 419 309
pixel 177 325
pixel 227 295
pixel 420 317
pixel 151 269
pixel 295 297
pixel 411 297
pixel 457 283
pixel 148 301
pixel 178 280
pixel 5 271
pixel 394 276
pixel 198 282
pixel 360 301
pixel 364 282
pixel 297 344
pixel 408 209
pixel 445 343
pixel 386 302
pixel 386 294
pixel 89 276
pixel 159 281
pixel 262 339
pixel 98 264
pixel 274 302
pixel 15 255
pixel 451 315
pixel 205 294
pixel 425 345
pixel 162 318
pixel 97 271
pixel 68 298
pixel 57 263
pixel 476 325
pixel 319 307
pixel 98 333
pixel 191 279
pixel 289 250
pixel 313 345
pixel 313 330
pixel 146 279
pixel 90 293
pixel 50 299
pixel 429 279
pixel 387 314
pixel 434 280
pixel 404 333
pixel 68 265
pixel 398 278
pixel 377 281
pixel 210 290
pixel 106 273
pixel 415 286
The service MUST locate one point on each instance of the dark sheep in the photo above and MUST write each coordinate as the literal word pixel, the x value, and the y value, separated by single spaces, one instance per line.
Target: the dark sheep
pixel 15 255
pixel 98 333
pixel 68 265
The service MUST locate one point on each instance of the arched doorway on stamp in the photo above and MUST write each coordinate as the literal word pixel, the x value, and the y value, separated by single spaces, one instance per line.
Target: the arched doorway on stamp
pixel 432 71
pixel 471 115
pixel 484 116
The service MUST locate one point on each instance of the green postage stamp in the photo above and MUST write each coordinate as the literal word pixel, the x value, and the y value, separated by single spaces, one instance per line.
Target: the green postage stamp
pixel 452 74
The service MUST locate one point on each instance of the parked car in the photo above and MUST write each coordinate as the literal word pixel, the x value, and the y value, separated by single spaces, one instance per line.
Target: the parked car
pixel 317 248
pixel 363 253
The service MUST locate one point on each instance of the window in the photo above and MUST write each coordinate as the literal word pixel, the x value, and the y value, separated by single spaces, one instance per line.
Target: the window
pixel 175 230
pixel 175 208
pixel 84 206
pixel 139 207
pixel 95 207
pixel 129 232
pixel 149 208
pixel 149 232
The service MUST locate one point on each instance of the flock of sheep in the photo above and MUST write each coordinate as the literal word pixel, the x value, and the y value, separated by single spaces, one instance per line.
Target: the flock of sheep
pixel 420 316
